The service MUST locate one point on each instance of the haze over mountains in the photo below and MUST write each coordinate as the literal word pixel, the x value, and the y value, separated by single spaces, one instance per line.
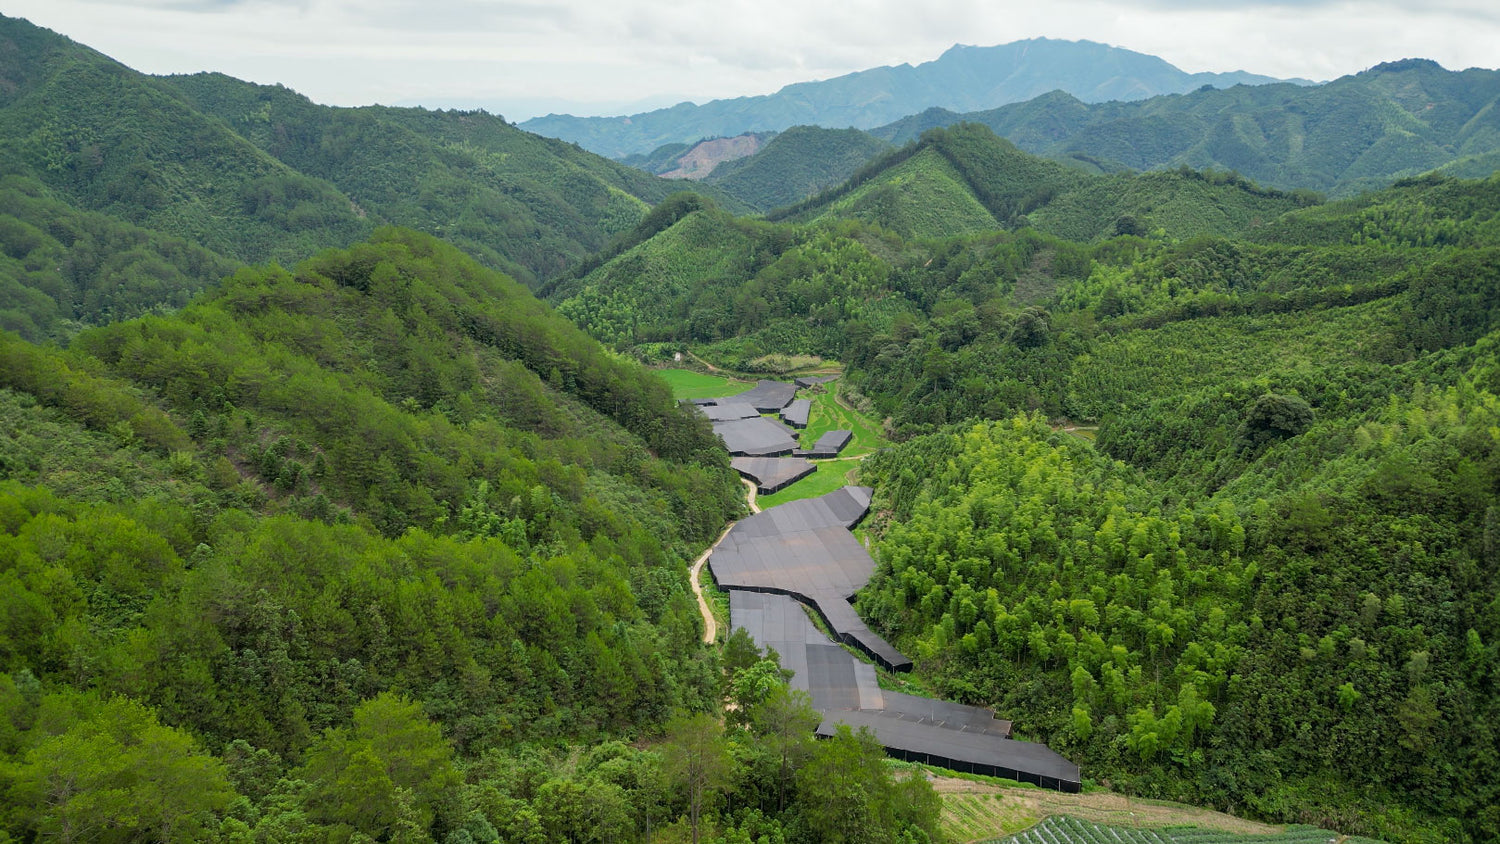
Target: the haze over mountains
pixel 962 79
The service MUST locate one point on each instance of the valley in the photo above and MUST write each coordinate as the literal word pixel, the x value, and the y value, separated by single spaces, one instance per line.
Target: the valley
pixel 386 474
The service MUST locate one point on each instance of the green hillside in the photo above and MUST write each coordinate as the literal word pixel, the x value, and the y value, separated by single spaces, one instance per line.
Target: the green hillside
pixel 62 269
pixel 258 173
pixel 526 204
pixel 922 197
pixel 378 548
pixel 744 288
pixel 1286 449
pixel 965 180
pixel 794 165
pixel 1355 133
pixel 107 139
pixel 385 494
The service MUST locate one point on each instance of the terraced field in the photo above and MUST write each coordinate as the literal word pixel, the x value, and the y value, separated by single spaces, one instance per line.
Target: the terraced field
pixel 1067 830
pixel 978 810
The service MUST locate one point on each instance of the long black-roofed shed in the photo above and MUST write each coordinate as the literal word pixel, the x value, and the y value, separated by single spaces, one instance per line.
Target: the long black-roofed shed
pixel 829 445
pixel 834 678
pixel 846 691
pixel 728 411
pixel 772 474
pixel 756 437
pixel 804 549
pixel 767 396
pixel 797 413
pixel 815 380
pixel 970 751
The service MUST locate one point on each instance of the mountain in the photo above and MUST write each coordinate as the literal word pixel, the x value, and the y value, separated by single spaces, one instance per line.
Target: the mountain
pixel 699 160
pixel 693 273
pixel 257 173
pixel 962 79
pixel 1256 535
pixel 381 513
pixel 967 180
pixel 62 269
pixel 794 165
pixel 1355 133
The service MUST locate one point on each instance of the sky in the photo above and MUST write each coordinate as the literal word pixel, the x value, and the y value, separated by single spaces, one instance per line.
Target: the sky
pixel 521 58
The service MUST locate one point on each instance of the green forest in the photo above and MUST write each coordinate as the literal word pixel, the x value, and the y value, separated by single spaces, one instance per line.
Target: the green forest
pixel 1214 514
pixel 342 498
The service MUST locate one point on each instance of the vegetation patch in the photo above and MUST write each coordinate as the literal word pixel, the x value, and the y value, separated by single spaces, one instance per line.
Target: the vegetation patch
pixel 689 384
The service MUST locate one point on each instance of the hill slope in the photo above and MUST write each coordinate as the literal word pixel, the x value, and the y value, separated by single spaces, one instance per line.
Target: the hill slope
pixel 795 165
pixel 1272 556
pixel 1354 133
pixel 965 180
pixel 350 524
pixel 259 173
pixel 962 79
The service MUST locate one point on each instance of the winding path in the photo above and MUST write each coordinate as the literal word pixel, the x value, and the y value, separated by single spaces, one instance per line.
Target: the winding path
pixel 710 625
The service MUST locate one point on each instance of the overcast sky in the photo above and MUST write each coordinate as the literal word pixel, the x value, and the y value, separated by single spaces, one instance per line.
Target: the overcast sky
pixel 526 57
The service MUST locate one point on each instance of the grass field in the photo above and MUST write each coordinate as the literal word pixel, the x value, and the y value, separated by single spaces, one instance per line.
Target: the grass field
pixel 831 475
pixel 687 384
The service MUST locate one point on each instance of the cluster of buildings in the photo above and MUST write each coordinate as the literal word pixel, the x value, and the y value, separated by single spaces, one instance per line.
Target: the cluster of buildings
pixel 797 560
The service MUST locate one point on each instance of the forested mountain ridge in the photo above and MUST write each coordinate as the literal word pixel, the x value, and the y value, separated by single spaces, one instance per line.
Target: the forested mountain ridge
pixel 62 269
pixel 315 555
pixel 965 180
pixel 523 203
pixel 693 273
pixel 1355 133
pixel 256 173
pixel 963 78
pixel 105 138
pixel 1269 584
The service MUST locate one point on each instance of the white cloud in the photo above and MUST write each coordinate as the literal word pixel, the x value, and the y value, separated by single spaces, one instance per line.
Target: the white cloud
pixel 531 52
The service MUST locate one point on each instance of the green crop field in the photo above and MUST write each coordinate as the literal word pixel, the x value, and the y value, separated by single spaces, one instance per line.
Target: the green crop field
pixel 831 475
pixel 829 415
pixel 1060 829
pixel 687 384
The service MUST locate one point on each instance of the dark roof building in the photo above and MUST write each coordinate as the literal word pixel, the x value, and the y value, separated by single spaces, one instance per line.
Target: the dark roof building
pixel 804 549
pixel 829 445
pixel 756 437
pixel 767 396
pixel 796 413
pixel 814 380
pixel 846 691
pixel 772 474
pixel 973 752
pixel 728 411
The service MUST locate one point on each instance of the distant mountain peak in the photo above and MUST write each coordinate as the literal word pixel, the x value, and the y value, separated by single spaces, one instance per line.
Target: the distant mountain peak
pixel 1402 65
pixel 964 78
